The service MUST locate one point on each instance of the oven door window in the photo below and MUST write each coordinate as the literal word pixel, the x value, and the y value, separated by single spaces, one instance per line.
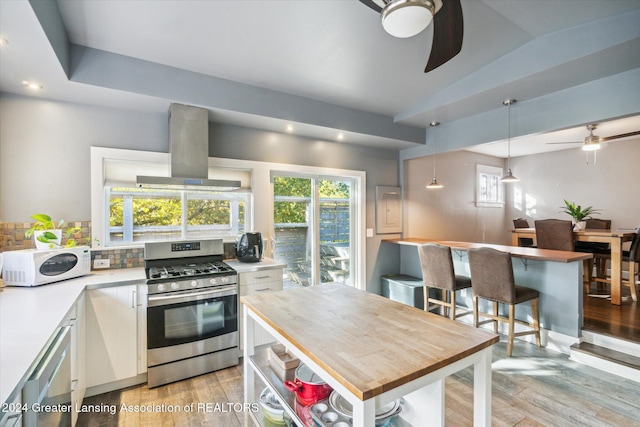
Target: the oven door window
pixel 191 321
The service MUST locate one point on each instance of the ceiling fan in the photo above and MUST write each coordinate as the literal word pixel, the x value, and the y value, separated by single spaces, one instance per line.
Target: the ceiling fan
pixel 406 18
pixel 592 142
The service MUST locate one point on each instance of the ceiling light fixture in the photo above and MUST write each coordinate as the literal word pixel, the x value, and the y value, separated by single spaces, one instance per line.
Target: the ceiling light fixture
pixel 31 85
pixel 434 185
pixel 591 142
pixel 406 18
pixel 508 177
pixel 289 128
pixel 340 136
pixel 3 41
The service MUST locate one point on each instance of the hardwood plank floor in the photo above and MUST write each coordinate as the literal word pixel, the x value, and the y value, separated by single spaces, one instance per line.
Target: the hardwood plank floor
pixel 535 387
pixel 620 321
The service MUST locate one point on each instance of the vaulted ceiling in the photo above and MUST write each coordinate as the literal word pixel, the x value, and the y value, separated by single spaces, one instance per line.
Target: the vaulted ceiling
pixel 327 67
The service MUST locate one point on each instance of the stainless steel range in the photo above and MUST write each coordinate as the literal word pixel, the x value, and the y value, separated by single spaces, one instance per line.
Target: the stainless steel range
pixel 192 310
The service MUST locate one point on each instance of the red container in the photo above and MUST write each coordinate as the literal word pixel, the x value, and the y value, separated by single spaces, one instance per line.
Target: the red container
pixel 308 386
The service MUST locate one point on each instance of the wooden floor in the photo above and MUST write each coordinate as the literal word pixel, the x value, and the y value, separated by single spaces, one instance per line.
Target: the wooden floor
pixel 621 321
pixel 535 387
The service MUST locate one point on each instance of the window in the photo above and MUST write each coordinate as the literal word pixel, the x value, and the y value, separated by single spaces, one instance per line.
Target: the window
pixel 123 214
pixel 489 192
pixel 141 215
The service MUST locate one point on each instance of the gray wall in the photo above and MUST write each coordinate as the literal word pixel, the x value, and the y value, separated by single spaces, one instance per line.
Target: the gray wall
pixel 44 152
pixel 548 178
pixel 450 213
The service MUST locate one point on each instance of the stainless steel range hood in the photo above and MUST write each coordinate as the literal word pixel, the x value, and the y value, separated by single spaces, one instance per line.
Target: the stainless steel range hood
pixel 188 153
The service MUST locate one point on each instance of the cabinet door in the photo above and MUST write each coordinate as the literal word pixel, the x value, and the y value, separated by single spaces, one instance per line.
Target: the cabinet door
pixel 112 332
pixel 257 282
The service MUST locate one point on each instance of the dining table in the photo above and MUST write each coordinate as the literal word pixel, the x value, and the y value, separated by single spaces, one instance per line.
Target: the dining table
pixel 615 239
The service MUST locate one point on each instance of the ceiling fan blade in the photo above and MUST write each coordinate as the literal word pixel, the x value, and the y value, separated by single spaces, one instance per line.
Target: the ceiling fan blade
pixel 372 5
pixel 622 135
pixel 447 34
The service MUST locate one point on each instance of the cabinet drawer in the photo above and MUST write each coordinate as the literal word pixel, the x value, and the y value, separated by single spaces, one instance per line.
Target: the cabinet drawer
pixel 261 276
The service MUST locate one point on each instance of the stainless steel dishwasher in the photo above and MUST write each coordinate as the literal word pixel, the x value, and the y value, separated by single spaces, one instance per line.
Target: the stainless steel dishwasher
pixel 47 393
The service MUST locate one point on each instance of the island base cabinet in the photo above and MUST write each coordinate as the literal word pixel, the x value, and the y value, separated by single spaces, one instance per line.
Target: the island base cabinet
pixel 112 336
pixel 257 282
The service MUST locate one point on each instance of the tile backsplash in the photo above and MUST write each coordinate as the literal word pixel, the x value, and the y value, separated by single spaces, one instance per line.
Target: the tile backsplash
pixel 12 239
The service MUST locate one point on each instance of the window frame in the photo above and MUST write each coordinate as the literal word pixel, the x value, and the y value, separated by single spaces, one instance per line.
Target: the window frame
pixel 493 171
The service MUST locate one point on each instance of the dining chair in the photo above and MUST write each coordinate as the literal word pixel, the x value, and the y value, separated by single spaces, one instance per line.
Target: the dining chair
pixel 554 234
pixel 523 241
pixel 594 248
pixel 632 258
pixel 438 272
pixel 492 279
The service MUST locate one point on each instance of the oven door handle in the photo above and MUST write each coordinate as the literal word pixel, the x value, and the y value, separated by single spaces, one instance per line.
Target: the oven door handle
pixel 156 300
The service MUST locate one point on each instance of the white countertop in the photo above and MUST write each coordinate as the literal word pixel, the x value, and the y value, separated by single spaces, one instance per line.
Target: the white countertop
pixel 247 267
pixel 30 315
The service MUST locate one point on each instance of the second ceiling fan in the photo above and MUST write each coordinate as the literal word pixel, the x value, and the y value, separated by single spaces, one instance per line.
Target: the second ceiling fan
pixel 592 142
pixel 406 18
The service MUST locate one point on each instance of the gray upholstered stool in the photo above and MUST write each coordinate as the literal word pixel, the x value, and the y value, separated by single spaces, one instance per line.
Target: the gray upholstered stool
pixel 492 279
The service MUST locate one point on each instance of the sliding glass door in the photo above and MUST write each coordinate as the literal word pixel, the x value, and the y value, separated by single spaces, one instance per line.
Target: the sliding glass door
pixel 314 228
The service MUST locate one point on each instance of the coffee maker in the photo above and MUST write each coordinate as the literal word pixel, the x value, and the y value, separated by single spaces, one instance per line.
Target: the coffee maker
pixel 249 247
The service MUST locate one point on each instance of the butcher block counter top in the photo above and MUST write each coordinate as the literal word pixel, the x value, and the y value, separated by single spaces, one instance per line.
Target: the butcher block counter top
pixel 368 343
pixel 515 251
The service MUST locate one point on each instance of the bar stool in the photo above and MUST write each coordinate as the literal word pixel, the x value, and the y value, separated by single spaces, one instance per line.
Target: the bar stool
pixel 437 272
pixel 631 257
pixel 492 279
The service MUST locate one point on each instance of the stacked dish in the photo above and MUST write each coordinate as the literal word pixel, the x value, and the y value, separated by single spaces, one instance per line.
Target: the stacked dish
pixel 337 412
pixel 271 407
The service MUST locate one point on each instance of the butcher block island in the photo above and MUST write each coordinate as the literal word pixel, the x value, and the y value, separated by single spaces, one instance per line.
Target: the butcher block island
pixel 371 350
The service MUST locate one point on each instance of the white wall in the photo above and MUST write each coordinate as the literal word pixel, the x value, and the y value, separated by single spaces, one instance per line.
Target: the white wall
pixel 611 184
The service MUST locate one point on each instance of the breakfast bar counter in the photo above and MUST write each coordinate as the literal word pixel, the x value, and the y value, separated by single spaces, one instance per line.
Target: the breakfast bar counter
pixel 557 275
pixel 373 350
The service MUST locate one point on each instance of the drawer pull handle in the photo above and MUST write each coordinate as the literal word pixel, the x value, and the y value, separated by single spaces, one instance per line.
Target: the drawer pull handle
pixel 263 289
pixel 262 277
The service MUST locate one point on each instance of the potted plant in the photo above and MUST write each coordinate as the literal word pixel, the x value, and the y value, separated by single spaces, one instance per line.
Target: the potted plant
pixel 578 213
pixel 47 233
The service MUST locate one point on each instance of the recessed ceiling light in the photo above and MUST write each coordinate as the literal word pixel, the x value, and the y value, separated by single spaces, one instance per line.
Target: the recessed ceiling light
pixel 289 128
pixel 31 85
pixel 3 41
pixel 340 136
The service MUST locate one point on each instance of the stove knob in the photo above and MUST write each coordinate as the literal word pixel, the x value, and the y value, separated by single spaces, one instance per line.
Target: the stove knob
pixel 225 279
pixel 161 287
pixel 213 281
pixel 175 285
pixel 194 283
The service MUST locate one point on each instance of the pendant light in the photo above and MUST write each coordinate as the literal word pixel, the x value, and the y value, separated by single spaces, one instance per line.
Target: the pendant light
pixel 434 185
pixel 508 177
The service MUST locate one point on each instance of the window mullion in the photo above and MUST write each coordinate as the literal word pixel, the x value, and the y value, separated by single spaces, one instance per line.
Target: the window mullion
pixel 127 218
pixel 184 204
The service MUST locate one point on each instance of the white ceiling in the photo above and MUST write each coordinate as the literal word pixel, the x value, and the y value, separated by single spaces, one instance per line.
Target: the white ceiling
pixel 331 53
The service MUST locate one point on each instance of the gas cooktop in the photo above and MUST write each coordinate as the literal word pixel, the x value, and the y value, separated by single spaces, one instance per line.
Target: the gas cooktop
pixel 189 270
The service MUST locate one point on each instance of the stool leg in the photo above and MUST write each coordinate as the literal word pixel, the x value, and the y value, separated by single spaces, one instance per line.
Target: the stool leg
pixel 512 324
pixel 495 313
pixel 536 319
pixel 425 291
pixel 452 309
pixel 475 311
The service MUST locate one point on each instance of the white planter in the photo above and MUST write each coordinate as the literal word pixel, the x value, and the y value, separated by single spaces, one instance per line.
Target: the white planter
pixel 52 244
pixel 581 225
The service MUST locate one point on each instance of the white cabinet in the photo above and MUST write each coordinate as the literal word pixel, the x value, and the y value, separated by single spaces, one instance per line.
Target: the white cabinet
pixel 141 315
pixel 253 282
pixel 112 334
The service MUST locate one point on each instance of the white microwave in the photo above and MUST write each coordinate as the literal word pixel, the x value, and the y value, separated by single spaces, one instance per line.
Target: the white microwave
pixel 33 267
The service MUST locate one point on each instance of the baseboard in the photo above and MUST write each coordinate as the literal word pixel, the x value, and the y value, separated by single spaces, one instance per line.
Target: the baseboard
pixel 624 346
pixel 605 360
pixel 115 385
